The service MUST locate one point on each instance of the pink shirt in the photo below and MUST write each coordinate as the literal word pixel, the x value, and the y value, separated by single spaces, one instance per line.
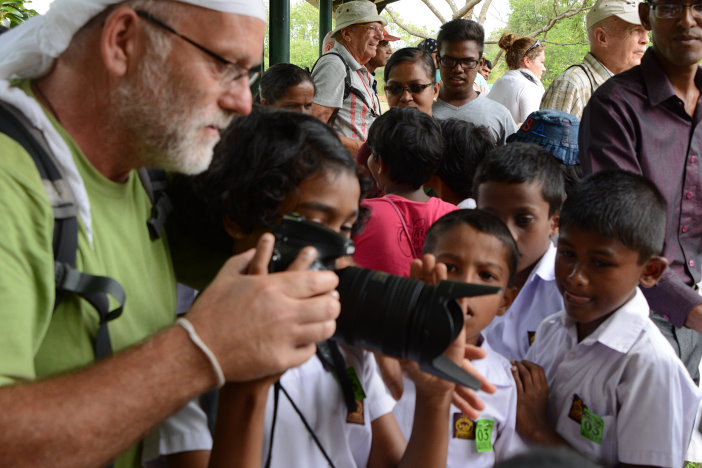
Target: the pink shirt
pixel 386 244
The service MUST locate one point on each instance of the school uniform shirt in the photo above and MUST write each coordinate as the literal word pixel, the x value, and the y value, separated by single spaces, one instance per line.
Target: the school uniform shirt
pixel 468 439
pixel 621 395
pixel 512 333
pixel 318 396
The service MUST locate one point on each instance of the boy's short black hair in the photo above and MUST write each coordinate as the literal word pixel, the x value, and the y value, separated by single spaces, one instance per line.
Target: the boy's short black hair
pixel 488 64
pixel 481 221
pixel 409 142
pixel 278 79
pixel 461 30
pixel 619 205
pixel 412 55
pixel 465 145
pixel 518 163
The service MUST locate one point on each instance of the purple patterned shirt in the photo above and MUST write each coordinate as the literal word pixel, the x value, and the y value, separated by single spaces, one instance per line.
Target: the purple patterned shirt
pixel 634 121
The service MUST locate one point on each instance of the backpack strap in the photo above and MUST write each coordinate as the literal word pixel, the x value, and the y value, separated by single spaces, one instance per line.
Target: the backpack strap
pixel 155 184
pixel 348 89
pixel 93 288
pixel 587 74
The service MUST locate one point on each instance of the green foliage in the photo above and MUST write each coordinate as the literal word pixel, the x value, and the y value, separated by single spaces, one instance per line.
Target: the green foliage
pixel 14 12
pixel 566 42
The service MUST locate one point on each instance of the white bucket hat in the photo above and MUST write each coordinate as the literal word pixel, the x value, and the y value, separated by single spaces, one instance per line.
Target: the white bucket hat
pixel 356 12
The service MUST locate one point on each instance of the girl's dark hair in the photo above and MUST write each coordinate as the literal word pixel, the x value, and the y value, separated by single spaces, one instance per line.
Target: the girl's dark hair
pixel 481 221
pixel 414 55
pixel 465 145
pixel 276 81
pixel 410 143
pixel 261 159
pixel 518 48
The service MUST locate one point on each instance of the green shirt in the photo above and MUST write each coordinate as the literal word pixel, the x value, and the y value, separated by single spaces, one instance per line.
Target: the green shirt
pixel 35 341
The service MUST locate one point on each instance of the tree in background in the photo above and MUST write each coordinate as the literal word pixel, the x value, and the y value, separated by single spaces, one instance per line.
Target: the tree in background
pixel 558 23
pixel 14 12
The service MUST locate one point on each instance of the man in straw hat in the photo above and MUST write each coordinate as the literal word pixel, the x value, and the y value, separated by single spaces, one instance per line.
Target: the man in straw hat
pixel 359 30
pixel 113 87
pixel 617 43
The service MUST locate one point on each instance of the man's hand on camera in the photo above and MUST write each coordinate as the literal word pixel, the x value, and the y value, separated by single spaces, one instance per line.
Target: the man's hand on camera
pixel 258 324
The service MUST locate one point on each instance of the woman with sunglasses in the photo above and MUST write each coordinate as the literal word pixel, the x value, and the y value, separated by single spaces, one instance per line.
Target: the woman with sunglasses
pixel 520 89
pixel 410 81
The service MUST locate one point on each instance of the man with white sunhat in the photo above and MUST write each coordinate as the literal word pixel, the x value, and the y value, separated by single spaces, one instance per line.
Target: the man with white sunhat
pixel 617 43
pixel 359 30
pixel 107 88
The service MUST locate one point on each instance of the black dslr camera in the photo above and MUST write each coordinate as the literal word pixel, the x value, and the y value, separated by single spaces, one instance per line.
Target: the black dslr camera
pixel 393 315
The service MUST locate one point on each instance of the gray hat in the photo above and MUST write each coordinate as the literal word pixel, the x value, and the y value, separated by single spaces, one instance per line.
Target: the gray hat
pixel 356 12
pixel 627 10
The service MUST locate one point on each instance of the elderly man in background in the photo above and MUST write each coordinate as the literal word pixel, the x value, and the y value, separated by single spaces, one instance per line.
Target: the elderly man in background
pixel 383 53
pixel 617 43
pixel 359 30
pixel 113 87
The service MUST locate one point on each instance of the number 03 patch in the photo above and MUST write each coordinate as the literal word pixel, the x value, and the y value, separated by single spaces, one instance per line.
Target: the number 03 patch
pixel 592 426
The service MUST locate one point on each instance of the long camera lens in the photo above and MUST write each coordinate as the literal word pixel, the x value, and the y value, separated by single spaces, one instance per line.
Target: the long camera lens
pixel 393 315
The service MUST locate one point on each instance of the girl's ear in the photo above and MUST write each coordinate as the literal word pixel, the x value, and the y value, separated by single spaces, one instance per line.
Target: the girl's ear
pixel 652 271
pixel 508 297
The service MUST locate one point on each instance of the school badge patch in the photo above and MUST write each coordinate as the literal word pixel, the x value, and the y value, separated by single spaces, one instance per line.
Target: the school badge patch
pixel 576 409
pixel 463 427
pixel 356 417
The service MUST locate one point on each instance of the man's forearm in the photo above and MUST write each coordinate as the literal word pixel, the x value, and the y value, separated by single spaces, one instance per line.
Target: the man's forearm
pixel 87 418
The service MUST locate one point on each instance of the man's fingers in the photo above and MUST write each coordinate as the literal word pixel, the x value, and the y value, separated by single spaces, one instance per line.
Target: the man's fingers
pixel 303 260
pixel 517 379
pixel 303 284
pixel 264 248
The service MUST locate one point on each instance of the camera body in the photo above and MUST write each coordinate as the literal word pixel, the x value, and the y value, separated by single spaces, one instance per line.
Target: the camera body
pixel 390 314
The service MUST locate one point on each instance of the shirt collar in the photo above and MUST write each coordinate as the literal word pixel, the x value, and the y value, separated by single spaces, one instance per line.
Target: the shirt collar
pixel 600 73
pixel 346 55
pixel 621 330
pixel 545 268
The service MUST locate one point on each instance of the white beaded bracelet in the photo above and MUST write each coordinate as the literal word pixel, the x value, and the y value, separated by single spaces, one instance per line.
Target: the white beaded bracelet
pixel 195 338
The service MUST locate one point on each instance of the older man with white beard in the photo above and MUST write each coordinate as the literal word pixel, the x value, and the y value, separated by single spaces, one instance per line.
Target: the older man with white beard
pixel 112 87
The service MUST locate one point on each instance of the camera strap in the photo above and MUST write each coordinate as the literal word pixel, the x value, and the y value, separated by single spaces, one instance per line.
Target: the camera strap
pixel 329 354
pixel 277 388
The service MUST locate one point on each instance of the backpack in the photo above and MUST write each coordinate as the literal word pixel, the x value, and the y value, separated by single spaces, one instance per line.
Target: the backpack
pixel 93 288
pixel 348 89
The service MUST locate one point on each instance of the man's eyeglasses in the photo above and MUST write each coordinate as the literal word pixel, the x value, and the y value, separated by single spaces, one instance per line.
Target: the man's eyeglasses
pixel 675 10
pixel 372 28
pixel 414 88
pixel 451 62
pixel 231 71
pixel 533 46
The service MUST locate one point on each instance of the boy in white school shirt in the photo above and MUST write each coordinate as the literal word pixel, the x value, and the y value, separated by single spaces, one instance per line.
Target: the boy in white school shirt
pixel 476 247
pixel 523 185
pixel 602 378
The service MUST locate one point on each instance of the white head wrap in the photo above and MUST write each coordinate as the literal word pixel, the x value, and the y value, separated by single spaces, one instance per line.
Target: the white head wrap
pixel 29 50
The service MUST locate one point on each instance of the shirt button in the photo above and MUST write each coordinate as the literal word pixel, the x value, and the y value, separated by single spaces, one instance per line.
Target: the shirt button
pixel 685 228
pixel 693 159
pixel 667 317
pixel 691 263
pixel 688 195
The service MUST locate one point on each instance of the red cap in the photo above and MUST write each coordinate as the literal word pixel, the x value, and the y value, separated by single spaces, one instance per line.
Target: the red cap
pixel 389 37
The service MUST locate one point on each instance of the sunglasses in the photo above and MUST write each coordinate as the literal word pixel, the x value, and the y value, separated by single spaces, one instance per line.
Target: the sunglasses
pixel 414 88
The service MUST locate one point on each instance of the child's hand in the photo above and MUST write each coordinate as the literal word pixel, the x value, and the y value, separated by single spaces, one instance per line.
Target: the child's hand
pixel 532 399
pixel 431 272
pixel 391 373
pixel 464 398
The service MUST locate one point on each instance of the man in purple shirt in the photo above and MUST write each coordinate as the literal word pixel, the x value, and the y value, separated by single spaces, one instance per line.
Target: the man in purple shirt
pixel 647 120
